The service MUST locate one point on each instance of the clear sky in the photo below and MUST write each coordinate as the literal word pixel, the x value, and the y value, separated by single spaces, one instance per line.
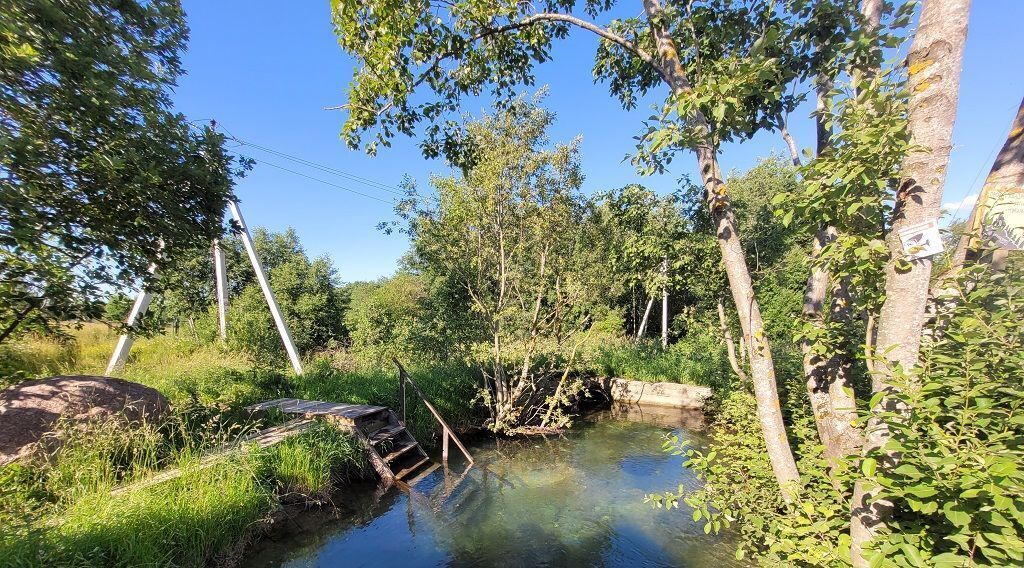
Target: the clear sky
pixel 266 70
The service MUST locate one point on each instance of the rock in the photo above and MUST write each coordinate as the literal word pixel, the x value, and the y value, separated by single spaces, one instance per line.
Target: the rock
pixel 675 395
pixel 30 409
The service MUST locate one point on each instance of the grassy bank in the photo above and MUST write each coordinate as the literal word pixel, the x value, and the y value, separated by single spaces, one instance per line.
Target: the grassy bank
pixel 695 359
pixel 58 509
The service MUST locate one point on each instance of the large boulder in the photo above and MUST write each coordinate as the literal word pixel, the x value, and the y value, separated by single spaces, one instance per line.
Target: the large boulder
pixel 30 409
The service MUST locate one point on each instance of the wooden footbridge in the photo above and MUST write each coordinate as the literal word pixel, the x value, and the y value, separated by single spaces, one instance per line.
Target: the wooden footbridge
pixel 393 452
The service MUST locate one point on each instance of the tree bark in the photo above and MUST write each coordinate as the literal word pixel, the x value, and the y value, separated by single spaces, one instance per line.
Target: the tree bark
pixel 934 63
pixel 729 345
pixel 1007 173
pixel 762 367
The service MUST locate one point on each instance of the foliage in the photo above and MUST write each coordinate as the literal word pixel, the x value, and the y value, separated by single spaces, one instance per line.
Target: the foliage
pixel 385 319
pixel 958 485
pixel 740 490
pixel 512 233
pixel 305 290
pixel 698 358
pixel 100 177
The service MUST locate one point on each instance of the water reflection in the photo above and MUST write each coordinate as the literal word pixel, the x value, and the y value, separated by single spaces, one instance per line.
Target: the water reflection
pixel 575 500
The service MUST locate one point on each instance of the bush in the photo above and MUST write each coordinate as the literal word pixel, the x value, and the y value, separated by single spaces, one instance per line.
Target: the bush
pixel 958 486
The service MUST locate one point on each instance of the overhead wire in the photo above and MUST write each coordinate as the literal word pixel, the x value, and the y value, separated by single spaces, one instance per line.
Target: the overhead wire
pixel 325 182
pixel 321 167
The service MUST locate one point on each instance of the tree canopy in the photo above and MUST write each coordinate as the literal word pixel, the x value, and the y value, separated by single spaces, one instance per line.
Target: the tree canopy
pixel 99 176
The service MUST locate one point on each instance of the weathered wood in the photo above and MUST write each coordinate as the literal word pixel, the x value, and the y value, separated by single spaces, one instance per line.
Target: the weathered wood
pixel 260 439
pixel 407 470
pixel 350 412
pixel 402 377
pixel 399 452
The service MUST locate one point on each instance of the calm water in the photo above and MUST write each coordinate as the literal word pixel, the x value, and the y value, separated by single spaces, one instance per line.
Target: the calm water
pixel 565 501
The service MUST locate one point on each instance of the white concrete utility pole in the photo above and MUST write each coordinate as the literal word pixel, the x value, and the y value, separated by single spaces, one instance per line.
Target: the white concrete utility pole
pixel 282 327
pixel 124 343
pixel 220 272
pixel 664 303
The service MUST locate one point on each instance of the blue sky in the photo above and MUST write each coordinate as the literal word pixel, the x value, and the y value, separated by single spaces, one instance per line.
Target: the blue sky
pixel 265 71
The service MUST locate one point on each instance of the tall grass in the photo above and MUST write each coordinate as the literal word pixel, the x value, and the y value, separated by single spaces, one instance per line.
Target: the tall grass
pixel 314 462
pixel 695 359
pixel 63 513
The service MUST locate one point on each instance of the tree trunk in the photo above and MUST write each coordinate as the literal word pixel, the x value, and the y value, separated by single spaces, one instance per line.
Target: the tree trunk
pixel 934 63
pixel 816 366
pixel 729 345
pixel 762 367
pixel 1007 173
pixel 643 323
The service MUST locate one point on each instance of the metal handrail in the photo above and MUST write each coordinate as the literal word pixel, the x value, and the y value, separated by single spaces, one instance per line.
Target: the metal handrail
pixel 447 432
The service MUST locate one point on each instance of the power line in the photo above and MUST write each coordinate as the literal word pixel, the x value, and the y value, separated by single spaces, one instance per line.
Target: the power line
pixel 324 168
pixel 348 189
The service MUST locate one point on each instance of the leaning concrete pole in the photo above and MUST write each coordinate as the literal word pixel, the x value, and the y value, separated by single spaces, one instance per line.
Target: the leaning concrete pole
pixel 124 343
pixel 261 277
pixel 220 272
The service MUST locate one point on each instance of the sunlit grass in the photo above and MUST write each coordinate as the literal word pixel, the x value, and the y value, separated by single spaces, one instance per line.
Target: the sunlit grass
pixel 63 513
pixel 697 360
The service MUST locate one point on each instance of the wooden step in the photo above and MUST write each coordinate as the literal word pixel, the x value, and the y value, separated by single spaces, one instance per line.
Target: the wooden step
pixel 400 451
pixel 404 472
pixel 385 433
pixel 423 474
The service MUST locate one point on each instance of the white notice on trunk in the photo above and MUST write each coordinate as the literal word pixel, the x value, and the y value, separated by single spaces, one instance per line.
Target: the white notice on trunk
pixel 921 240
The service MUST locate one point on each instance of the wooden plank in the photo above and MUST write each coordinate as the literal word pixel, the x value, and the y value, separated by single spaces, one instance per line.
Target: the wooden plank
pixel 317 408
pixel 399 452
pixel 423 474
pixel 260 439
pixel 386 433
pixel 412 468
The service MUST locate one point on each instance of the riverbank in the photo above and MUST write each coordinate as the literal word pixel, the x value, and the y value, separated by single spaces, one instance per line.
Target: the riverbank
pixel 570 500
pixel 58 509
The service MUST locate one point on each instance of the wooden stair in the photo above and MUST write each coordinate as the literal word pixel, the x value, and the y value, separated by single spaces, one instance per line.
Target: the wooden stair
pixel 392 450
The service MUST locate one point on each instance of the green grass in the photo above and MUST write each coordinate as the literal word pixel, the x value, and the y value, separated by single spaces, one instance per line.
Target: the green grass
pixel 696 360
pixel 451 389
pixel 59 512
pixel 314 462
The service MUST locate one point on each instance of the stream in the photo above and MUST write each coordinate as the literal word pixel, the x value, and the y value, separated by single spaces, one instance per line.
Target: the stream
pixel 573 500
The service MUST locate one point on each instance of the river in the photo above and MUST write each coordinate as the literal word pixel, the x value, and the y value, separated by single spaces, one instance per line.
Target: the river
pixel 573 500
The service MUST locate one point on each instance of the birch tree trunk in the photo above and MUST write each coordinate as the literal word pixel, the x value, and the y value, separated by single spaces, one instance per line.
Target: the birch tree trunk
pixel 934 63
pixel 762 367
